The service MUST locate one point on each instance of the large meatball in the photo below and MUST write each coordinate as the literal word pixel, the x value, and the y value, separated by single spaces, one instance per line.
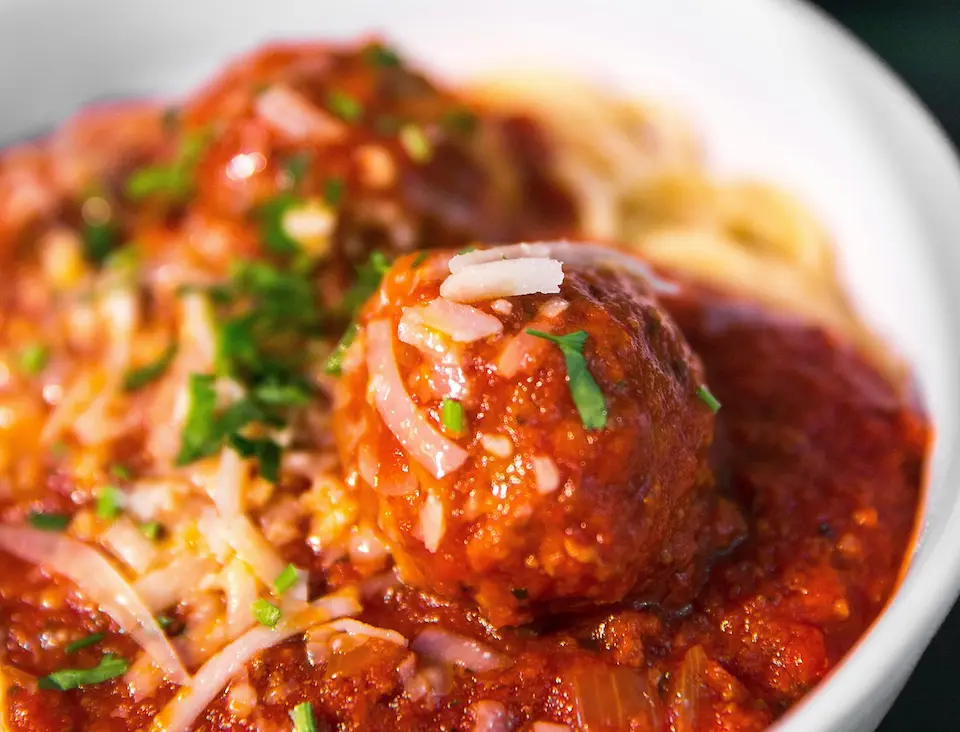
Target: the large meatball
pixel 531 473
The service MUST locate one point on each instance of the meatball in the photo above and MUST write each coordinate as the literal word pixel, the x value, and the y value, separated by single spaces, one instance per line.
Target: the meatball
pixel 528 434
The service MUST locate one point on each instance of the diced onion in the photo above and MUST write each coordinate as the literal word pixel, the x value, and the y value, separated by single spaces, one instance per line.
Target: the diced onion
pixel 490 716
pixel 503 278
pixel 499 445
pixel 548 476
pixel 432 522
pixel 180 713
pixel 165 587
pixel 440 645
pixel 229 486
pixel 462 323
pixel 126 542
pixel 408 424
pixel 103 584
pixel 294 116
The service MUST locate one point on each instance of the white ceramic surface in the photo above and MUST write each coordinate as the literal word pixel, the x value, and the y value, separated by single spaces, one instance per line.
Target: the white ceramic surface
pixel 778 91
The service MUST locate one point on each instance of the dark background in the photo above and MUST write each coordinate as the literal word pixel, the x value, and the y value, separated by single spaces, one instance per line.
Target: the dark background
pixel 920 40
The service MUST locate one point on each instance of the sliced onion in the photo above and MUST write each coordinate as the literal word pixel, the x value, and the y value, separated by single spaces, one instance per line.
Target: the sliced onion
pixel 432 522
pixel 167 586
pixel 462 323
pixel 441 645
pixel 102 583
pixel 408 424
pixel 180 713
pixel 413 331
pixel 143 678
pixel 490 716
pixel 229 486
pixel 252 548
pixel 126 542
pixel 614 697
pixel 365 630
pixel 240 591
pixel 294 116
pixel 503 278
pixel 548 476
pixel 523 351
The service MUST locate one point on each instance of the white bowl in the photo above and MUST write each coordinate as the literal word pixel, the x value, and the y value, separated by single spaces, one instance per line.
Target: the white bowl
pixel 778 91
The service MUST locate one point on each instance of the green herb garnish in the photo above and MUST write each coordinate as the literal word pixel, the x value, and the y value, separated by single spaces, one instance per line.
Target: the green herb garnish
pixel 296 167
pixel 414 140
pixel 380 56
pixel 451 415
pixel 707 398
pixel 369 276
pixel 303 718
pixel 90 640
pixel 33 359
pixel 266 613
pixel 267 453
pixel 333 190
pixel 110 667
pixel 272 232
pixel 334 362
pixel 99 238
pixel 586 394
pixel 109 502
pixel 461 121
pixel 345 106
pixel 173 180
pixel 120 472
pixel 138 378
pixel 200 436
pixel 151 530
pixel 48 521
pixel 286 579
pixel 420 259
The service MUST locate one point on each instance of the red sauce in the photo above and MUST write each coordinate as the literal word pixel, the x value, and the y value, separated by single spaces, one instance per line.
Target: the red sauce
pixel 821 454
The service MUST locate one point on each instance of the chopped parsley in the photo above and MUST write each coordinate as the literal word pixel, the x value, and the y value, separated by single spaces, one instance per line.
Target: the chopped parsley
pixel 334 362
pixel 420 259
pixel 266 613
pixel 272 232
pixel 296 167
pixel 200 437
pixel 110 667
pixel 451 415
pixel 33 359
pixel 138 378
pixel 333 190
pixel 303 718
pixel 120 472
pixel 345 106
pixel 90 640
pixel 286 579
pixel 48 521
pixel 586 394
pixel 461 121
pixel 467 250
pixel 109 502
pixel 99 232
pixel 175 179
pixel 151 530
pixel 707 398
pixel 369 276
pixel 265 451
pixel 414 140
pixel 381 57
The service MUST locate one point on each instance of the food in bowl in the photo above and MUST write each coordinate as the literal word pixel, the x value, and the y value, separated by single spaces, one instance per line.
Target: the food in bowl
pixel 333 398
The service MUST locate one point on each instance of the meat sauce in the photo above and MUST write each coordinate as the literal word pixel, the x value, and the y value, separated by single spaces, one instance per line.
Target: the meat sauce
pixel 821 454
pixel 825 457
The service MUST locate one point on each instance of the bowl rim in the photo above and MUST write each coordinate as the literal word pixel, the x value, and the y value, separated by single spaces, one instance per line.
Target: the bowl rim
pixel 931 582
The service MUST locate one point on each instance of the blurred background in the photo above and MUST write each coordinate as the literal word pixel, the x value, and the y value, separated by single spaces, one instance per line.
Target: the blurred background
pixel 920 40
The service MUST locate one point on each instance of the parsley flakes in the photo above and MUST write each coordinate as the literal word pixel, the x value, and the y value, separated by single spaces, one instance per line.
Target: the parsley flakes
pixel 586 394
pixel 110 667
